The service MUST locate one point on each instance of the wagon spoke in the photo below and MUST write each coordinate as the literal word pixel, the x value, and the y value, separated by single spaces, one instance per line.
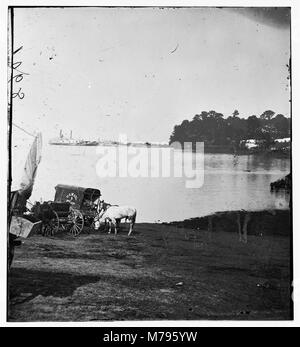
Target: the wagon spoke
pixel 77 222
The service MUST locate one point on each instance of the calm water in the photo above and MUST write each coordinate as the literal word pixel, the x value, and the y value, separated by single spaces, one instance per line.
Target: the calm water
pixel 229 184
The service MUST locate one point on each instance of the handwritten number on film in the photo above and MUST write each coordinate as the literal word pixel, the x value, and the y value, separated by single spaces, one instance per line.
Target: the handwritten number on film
pixel 18 76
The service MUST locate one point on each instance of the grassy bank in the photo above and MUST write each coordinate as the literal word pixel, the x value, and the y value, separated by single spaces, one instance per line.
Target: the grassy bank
pixel 261 223
pixel 161 272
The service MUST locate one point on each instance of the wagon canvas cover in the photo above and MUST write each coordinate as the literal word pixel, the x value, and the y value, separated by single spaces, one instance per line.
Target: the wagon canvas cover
pixel 75 195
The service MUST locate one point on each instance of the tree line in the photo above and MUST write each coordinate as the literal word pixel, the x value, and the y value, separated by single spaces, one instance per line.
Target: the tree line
pixel 213 128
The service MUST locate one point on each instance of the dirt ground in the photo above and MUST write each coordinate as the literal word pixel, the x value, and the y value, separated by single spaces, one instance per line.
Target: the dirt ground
pixel 160 272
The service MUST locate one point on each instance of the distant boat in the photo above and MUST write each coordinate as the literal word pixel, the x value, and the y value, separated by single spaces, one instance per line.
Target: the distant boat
pixel 65 141
pixel 88 143
pixel 71 143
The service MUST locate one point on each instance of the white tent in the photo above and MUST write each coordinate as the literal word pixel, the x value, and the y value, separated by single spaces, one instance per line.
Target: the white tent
pixel 26 157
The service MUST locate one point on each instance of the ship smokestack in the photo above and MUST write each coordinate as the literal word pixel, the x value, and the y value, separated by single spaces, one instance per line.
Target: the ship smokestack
pixel 71 134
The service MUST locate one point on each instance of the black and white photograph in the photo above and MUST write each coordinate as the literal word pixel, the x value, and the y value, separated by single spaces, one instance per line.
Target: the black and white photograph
pixel 149 172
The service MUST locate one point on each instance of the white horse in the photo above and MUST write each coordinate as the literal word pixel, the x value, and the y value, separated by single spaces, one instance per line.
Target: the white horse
pixel 114 214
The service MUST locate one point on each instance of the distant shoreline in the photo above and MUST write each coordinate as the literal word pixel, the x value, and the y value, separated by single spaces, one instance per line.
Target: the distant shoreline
pixel 208 149
pixel 108 144
pixel 268 153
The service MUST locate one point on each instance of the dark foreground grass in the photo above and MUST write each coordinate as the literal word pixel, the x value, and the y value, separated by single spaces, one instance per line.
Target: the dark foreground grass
pixel 159 273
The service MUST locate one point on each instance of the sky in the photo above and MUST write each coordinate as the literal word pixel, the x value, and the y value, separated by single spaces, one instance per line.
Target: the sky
pixel 101 72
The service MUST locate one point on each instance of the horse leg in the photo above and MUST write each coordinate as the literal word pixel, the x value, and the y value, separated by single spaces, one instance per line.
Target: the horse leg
pixel 131 225
pixel 130 228
pixel 109 226
pixel 114 223
pixel 118 221
pixel 94 223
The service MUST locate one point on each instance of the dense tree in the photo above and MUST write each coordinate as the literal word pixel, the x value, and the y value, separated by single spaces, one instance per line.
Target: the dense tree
pixel 235 113
pixel 267 115
pixel 253 124
pixel 282 125
pixel 214 129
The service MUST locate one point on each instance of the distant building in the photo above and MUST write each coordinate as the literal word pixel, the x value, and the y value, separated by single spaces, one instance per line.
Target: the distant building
pixel 284 140
pixel 283 144
pixel 250 143
pixel 161 143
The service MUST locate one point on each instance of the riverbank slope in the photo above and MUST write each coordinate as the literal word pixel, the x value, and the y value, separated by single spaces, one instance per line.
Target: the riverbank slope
pixel 161 272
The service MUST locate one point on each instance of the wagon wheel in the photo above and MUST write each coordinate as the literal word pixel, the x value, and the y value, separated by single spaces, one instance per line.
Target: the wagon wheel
pixel 51 226
pixel 76 221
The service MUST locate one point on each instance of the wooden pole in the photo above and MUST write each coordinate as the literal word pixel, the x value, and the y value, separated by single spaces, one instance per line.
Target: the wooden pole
pixel 10 114
pixel 238 221
pixel 10 108
pixel 245 227
pixel 210 226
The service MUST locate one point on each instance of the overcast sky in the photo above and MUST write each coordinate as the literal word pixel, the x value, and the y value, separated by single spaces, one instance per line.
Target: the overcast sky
pixel 105 71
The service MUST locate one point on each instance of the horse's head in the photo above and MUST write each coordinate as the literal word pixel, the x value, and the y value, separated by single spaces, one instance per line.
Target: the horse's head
pixel 103 206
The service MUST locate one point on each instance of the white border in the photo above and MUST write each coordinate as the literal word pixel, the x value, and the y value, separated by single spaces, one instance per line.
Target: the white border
pixel 296 150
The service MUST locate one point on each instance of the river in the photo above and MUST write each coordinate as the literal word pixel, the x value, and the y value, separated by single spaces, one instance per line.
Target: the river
pixel 230 183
